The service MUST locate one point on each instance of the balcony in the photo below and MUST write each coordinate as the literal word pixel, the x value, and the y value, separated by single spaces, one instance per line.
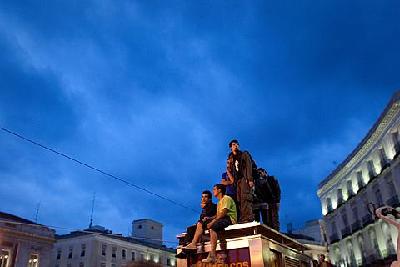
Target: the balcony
pixel 356 226
pixel 393 201
pixel 367 219
pixel 346 232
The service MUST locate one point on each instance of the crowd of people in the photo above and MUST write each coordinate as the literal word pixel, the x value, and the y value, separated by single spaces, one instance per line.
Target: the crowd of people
pixel 243 193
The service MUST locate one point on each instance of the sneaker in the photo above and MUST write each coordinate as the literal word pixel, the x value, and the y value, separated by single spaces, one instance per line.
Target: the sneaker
pixel 209 259
pixel 190 247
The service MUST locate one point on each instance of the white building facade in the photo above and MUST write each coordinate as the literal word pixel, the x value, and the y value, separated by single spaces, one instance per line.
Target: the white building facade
pixel 370 174
pixel 148 229
pixel 96 249
pixel 24 243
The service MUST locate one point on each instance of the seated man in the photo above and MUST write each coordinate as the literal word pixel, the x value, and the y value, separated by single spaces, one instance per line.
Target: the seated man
pixel 226 215
pixel 208 212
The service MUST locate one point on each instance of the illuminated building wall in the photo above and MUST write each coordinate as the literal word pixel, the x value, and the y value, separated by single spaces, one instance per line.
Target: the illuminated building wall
pixel 24 243
pixel 370 174
pixel 99 247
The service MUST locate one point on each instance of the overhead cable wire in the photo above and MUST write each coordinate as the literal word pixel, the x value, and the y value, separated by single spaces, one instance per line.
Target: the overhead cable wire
pixel 126 182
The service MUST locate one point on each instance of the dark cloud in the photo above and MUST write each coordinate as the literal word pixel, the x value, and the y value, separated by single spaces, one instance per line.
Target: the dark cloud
pixel 153 92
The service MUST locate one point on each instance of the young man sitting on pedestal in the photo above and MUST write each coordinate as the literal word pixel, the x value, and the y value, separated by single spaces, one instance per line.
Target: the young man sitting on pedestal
pixel 226 215
pixel 208 212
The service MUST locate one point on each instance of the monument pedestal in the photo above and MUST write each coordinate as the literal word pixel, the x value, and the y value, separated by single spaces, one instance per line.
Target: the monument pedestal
pixel 249 244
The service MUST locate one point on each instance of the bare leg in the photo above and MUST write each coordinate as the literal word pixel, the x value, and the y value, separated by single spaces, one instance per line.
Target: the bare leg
pixel 213 241
pixel 198 233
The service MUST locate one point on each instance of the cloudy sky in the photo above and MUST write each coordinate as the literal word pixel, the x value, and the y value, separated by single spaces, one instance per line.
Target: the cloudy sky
pixel 152 92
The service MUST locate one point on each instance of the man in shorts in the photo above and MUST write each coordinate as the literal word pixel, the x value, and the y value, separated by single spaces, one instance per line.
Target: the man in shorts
pixel 226 215
pixel 208 212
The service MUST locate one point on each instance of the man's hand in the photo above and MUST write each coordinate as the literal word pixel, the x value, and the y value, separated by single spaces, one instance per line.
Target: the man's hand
pixel 210 224
pixel 251 184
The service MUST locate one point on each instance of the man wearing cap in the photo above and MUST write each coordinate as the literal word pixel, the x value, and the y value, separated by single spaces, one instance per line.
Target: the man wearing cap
pixel 240 170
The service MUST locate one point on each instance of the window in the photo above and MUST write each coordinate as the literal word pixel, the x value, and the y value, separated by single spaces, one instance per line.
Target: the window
pixel 83 250
pixel 81 264
pixel 350 188
pixel 58 253
pixel 70 253
pixel 33 260
pixel 123 254
pixel 391 188
pixel 354 210
pixel 360 181
pixel 103 249
pixel 339 197
pixel 114 252
pixel 329 204
pixel 395 140
pixel 133 256
pixel 151 257
pixel 4 258
pixel 139 226
pixel 69 265
pixel 383 157
pixel 113 265
pixel 344 218
pixel 371 168
pixel 333 227
pixel 378 196
pixel 103 264
pixel 374 242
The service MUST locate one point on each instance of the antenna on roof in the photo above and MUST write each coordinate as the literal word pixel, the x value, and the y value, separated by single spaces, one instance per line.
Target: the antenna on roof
pixel 91 214
pixel 37 211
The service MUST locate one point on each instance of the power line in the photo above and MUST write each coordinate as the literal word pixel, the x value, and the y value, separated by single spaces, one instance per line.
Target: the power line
pixel 126 182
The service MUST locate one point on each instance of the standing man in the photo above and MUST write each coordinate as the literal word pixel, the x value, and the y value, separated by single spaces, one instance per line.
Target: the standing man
pixel 230 186
pixel 226 215
pixel 240 170
pixel 267 199
pixel 208 212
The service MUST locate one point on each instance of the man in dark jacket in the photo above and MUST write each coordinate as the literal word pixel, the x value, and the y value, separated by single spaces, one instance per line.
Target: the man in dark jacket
pixel 208 212
pixel 239 169
pixel 266 199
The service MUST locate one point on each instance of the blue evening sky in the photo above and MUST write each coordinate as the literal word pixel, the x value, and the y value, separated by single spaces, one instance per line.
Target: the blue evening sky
pixel 152 91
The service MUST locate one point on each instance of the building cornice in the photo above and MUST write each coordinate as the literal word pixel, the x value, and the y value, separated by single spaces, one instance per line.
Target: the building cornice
pixel 28 236
pixel 362 150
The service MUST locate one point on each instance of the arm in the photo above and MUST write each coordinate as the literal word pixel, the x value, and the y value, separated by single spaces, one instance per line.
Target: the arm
pixel 219 216
pixel 248 172
pixel 378 213
pixel 229 173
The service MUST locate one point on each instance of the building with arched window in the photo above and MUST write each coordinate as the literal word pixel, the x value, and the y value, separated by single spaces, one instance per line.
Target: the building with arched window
pixel 370 174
